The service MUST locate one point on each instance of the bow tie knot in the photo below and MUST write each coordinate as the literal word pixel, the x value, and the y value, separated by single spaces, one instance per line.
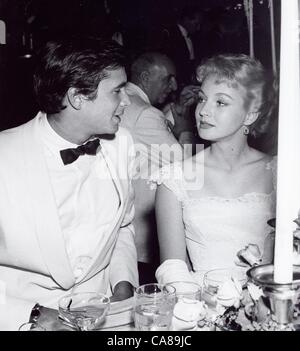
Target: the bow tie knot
pixel 70 155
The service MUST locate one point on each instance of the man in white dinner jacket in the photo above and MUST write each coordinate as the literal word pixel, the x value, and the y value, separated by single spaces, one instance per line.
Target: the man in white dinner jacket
pixel 66 202
pixel 153 78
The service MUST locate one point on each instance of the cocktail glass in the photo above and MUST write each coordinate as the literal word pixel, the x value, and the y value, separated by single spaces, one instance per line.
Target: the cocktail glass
pixel 83 311
pixel 31 326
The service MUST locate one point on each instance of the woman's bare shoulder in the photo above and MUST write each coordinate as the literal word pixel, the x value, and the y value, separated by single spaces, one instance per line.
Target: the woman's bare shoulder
pixel 260 157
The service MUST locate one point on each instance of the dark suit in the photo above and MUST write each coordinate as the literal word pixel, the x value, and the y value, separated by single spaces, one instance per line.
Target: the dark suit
pixel 174 45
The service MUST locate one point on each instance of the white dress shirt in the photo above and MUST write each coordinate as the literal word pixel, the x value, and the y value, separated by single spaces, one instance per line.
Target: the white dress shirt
pixel 188 41
pixel 81 190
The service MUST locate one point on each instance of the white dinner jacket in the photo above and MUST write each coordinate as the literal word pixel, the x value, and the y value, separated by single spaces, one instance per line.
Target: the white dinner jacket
pixel 34 266
pixel 149 130
pixel 146 123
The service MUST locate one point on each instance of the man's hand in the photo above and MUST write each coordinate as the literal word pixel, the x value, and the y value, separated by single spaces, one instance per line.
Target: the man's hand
pixel 189 95
pixel 123 290
pixel 182 121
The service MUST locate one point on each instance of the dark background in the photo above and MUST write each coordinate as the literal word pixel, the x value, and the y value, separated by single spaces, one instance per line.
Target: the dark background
pixel 30 23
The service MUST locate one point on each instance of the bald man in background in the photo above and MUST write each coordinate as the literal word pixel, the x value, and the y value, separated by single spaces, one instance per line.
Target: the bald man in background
pixel 153 78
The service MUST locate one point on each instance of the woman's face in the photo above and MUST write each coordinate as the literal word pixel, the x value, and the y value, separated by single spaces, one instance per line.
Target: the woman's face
pixel 221 110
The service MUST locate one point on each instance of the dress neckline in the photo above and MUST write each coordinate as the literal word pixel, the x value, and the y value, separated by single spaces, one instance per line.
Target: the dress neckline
pixel 254 196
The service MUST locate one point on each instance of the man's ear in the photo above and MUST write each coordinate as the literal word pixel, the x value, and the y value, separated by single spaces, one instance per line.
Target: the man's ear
pixel 75 99
pixel 251 118
pixel 145 76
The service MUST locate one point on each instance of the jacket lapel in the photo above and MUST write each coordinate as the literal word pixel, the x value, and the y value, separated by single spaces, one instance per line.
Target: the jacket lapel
pixel 47 224
pixel 48 228
pixel 102 260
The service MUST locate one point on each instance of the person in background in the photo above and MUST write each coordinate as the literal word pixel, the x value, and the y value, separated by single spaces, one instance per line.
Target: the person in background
pixel 153 78
pixel 176 42
pixel 228 34
pixel 66 204
pixel 216 203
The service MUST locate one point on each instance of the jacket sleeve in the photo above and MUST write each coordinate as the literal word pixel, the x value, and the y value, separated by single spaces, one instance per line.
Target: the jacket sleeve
pixel 152 132
pixel 123 265
pixel 14 312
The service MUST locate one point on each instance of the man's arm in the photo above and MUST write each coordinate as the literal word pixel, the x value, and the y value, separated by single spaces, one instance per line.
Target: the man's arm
pixel 14 312
pixel 181 115
pixel 182 127
pixel 152 130
pixel 123 265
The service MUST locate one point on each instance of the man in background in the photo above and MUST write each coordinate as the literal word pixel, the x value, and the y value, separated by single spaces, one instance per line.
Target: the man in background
pixel 177 42
pixel 153 78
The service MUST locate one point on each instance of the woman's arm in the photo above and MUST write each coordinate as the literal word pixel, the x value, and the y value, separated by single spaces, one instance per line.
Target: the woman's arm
pixel 171 239
pixel 170 226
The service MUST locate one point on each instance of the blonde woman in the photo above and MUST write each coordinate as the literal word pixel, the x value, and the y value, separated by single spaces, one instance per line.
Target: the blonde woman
pixel 219 201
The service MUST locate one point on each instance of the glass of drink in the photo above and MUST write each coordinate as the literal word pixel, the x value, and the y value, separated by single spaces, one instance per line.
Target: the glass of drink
pixel 231 279
pixel 153 307
pixel 188 309
pixel 187 290
pixel 83 311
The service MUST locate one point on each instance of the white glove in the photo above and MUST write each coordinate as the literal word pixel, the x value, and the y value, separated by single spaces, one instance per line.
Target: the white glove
pixel 173 270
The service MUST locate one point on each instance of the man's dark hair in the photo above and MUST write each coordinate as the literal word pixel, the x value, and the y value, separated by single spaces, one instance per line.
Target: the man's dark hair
pixel 79 63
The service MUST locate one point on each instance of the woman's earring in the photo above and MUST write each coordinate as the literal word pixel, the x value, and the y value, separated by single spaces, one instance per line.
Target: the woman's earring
pixel 246 130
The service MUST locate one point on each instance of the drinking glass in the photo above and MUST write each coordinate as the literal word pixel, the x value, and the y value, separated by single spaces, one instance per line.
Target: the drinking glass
pixel 83 311
pixel 217 277
pixel 188 309
pixel 153 307
pixel 187 290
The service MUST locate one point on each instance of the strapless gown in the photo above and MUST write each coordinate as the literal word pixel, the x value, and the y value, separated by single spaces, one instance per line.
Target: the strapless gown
pixel 216 228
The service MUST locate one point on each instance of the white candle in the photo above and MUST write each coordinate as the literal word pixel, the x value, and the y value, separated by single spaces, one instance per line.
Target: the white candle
pixel 251 28
pixel 288 174
pixel 2 32
pixel 271 6
pixel 246 8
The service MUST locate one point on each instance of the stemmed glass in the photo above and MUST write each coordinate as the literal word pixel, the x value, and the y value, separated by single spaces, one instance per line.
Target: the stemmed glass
pixel 83 311
pixel 31 326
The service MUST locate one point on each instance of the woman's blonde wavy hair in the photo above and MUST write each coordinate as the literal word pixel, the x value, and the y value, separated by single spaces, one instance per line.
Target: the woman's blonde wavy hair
pixel 251 74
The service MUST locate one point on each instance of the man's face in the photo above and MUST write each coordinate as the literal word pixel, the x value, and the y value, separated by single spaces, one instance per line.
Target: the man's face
pixel 161 83
pixel 103 115
pixel 192 25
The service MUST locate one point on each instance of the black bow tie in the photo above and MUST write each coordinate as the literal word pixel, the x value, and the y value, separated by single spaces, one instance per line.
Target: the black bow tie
pixel 71 155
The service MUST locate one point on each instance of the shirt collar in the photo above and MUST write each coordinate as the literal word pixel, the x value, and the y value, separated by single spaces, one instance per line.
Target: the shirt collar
pixel 51 139
pixel 183 31
pixel 133 87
